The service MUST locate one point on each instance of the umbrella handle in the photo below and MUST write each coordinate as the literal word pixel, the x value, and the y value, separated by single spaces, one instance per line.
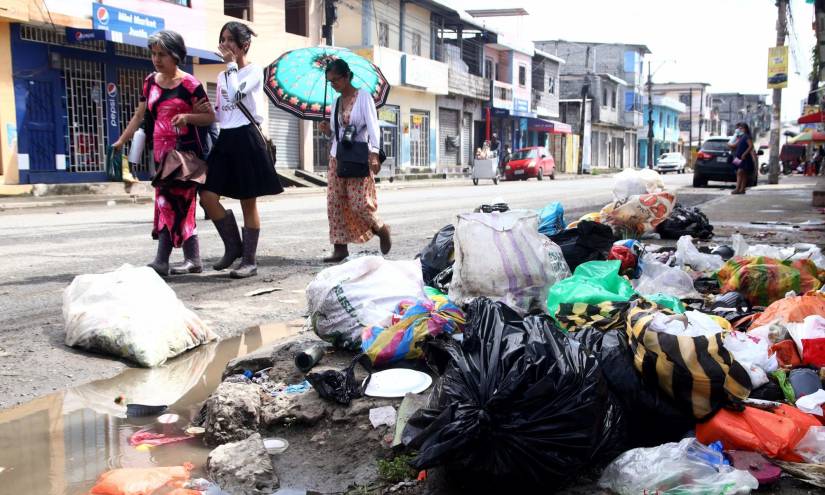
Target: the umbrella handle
pixel 324 109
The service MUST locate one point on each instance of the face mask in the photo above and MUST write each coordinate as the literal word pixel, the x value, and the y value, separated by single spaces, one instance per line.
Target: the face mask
pixel 738 132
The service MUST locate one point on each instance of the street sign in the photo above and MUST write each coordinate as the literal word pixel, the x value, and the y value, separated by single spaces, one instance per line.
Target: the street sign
pixel 778 67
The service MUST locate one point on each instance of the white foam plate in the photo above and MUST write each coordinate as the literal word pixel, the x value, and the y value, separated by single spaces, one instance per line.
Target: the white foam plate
pixel 397 382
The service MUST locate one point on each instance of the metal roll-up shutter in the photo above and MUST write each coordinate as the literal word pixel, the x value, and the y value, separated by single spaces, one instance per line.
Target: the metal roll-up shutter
pixel 466 138
pixel 285 132
pixel 449 137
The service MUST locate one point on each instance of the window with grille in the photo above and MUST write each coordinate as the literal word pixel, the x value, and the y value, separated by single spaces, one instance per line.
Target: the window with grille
pixel 296 17
pixel 522 75
pixel 133 51
pixel 551 85
pixel 86 130
pixel 57 37
pixel 383 34
pixel 240 9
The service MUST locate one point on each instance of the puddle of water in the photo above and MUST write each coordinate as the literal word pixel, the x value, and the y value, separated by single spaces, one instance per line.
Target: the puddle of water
pixel 60 444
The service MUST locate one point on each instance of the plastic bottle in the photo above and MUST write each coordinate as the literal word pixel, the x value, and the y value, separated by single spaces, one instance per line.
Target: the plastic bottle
pixel 136 148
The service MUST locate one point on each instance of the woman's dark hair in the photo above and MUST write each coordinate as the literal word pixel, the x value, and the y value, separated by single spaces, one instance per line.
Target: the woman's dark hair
pixel 241 32
pixel 171 42
pixel 339 67
pixel 745 127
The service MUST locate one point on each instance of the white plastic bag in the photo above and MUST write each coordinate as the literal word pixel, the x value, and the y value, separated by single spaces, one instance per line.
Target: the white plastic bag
pixel 502 256
pixel 812 327
pixel 657 277
pixel 752 353
pixel 630 182
pixel 130 313
pixel 345 298
pixel 672 467
pixel 798 251
pixel 688 255
pixel 812 446
pixel 689 324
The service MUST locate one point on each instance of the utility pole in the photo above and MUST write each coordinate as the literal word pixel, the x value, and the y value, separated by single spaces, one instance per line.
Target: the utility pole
pixel 776 109
pixel 690 127
pixel 330 16
pixel 701 114
pixel 585 90
pixel 650 134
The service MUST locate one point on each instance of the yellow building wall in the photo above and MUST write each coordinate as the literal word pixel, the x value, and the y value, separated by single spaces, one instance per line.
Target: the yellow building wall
pixel 408 100
pixel 8 118
pixel 571 163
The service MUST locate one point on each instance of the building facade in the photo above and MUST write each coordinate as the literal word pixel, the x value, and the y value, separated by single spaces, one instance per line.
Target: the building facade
pixel 699 121
pixel 666 113
pixel 738 107
pixel 77 69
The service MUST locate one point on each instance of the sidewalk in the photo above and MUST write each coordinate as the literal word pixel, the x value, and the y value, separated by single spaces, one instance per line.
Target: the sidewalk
pixel 116 193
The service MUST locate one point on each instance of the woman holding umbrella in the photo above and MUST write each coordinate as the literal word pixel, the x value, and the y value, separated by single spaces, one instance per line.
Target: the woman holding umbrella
pixel 351 201
pixel 240 166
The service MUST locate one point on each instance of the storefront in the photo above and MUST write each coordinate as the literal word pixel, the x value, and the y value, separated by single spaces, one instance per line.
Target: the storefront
pixel 552 135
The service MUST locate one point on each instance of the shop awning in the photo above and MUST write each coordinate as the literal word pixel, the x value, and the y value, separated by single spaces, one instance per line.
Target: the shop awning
pixel 811 118
pixel 551 126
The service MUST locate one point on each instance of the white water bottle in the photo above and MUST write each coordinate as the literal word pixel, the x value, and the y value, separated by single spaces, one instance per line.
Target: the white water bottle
pixel 136 149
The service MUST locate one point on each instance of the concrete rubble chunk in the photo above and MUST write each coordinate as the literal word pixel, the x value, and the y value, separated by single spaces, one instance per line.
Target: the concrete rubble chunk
pixel 243 467
pixel 232 413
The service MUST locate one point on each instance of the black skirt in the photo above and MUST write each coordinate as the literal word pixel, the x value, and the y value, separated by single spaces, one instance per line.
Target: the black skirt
pixel 240 166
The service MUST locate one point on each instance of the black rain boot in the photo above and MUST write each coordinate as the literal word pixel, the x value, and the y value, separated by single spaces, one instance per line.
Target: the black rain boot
pixel 232 249
pixel 161 263
pixel 247 268
pixel 191 258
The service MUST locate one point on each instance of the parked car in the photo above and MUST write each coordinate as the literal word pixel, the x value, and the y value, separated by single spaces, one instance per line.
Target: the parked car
pixel 671 162
pixel 534 161
pixel 713 162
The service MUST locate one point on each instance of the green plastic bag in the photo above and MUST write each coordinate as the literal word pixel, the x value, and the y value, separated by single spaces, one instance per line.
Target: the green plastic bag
pixel 666 301
pixel 592 283
pixel 114 164
pixel 785 385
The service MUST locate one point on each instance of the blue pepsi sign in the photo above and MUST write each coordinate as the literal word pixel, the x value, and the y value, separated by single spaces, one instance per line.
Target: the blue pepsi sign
pixel 74 35
pixel 124 22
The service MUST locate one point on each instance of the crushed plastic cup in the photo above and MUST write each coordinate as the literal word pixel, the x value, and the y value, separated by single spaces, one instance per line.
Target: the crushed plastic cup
pixel 275 445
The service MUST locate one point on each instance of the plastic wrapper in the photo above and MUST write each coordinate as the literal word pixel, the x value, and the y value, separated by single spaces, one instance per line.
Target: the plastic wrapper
pixel 809 337
pixel 589 241
pixel 437 256
pixel 413 322
pixel 517 401
pixel 689 324
pixel 685 221
pixel 792 309
pixel 773 433
pixel 753 354
pixel 766 280
pixel 639 214
pixel 130 313
pixel 798 251
pixel 630 182
pixel 698 373
pixel 688 255
pixel 674 468
pixel 139 481
pixel 502 256
pixel 345 298
pixel 551 219
pixel 812 446
pixel 658 277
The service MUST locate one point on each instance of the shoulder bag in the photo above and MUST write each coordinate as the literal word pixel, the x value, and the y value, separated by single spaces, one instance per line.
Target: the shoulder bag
pixel 270 146
pixel 352 157
pixel 181 165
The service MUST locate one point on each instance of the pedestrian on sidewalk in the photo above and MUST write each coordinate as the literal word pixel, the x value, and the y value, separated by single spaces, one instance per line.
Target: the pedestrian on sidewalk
pixel 240 165
pixel 743 157
pixel 352 204
pixel 170 95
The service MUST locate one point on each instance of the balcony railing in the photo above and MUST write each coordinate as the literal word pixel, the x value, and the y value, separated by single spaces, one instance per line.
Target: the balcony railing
pixel 502 95
pixel 466 84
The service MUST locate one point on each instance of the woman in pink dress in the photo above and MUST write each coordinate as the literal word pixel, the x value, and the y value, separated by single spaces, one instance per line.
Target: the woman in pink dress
pixel 170 95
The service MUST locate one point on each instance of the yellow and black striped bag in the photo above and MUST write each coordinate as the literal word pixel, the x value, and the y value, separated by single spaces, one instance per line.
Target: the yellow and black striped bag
pixel 604 316
pixel 697 372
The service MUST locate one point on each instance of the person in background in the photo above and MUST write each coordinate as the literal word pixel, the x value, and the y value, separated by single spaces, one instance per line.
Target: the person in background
pixel 352 204
pixel 240 166
pixel 171 95
pixel 743 157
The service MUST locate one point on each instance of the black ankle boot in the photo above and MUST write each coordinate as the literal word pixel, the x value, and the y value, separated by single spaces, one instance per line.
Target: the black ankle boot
pixel 248 266
pixel 161 263
pixel 191 258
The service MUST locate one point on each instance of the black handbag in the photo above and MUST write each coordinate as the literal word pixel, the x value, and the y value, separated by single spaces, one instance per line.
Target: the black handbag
pixel 353 158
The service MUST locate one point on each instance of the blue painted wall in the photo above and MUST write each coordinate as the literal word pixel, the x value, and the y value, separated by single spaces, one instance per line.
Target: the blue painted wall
pixel 664 119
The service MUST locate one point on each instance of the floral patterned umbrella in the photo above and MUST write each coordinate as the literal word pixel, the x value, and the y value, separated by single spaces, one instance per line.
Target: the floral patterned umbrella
pixel 296 81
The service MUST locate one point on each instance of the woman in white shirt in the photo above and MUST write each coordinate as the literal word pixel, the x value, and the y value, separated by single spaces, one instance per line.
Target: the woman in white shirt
pixel 239 164
pixel 351 201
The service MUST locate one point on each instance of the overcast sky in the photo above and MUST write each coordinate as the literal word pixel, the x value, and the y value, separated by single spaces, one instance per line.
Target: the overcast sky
pixel 722 42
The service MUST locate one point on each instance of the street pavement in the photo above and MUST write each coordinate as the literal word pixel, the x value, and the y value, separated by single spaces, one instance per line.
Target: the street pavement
pixel 43 249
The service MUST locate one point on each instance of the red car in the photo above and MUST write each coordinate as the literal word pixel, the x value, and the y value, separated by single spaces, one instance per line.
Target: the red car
pixel 534 161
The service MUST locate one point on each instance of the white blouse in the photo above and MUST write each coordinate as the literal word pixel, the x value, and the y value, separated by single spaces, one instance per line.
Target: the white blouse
pixel 235 85
pixel 364 117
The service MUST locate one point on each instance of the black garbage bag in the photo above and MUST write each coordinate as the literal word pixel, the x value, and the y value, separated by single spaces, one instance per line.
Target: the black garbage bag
pixel 589 241
pixel 341 386
pixel 685 221
pixel 651 417
pixel 438 255
pixel 517 402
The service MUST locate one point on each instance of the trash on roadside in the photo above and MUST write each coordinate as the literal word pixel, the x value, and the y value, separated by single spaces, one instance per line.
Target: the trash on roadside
pixel 408 407
pixel 275 445
pixel 397 382
pixel 630 182
pixel 812 446
pixel 685 221
pixel 639 214
pixel 688 324
pixel 438 255
pixel 628 255
pixel 588 241
pixel 774 433
pixel 148 437
pixel 168 419
pixel 400 337
pixel 753 354
pixel 804 381
pixel 809 337
pixel 698 373
pixel 143 410
pixel 551 219
pixel 792 309
pixel 813 474
pixel 812 403
pixel 309 357
pixel 341 386
pixel 195 430
pixel 688 255
pixel 345 298
pixel 509 384
pixel 138 481
pixel 798 251
pixel 503 257
pixel 594 217
pixel 657 277
pixel 786 353
pixel 108 313
pixel 262 291
pixel 682 467
pixel 593 296
pixel 382 416
pixel 765 472
pixel 766 280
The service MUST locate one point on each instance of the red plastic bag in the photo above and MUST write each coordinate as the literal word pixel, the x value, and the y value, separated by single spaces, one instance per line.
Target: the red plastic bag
pixel 813 352
pixel 626 256
pixel 773 433
pixel 786 353
pixel 139 481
